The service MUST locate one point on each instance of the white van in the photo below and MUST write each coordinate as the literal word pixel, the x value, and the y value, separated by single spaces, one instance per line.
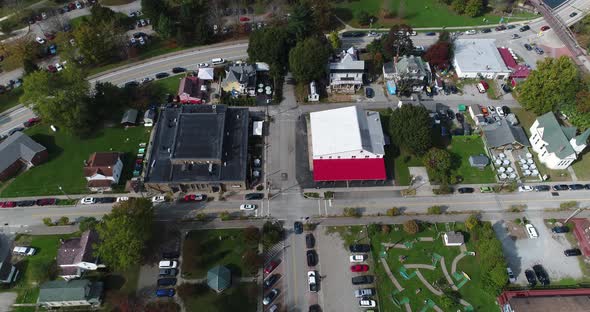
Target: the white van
pixel 217 61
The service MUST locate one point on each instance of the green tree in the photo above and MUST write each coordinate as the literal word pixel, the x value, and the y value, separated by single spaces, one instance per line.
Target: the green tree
pixel 107 98
pixel 99 42
pixel 29 65
pixel 335 41
pixel 124 232
pixel 88 223
pixel 553 84
pixel 410 128
pixel 270 45
pixel 474 8
pixel 322 13
pixel 165 26
pixel 308 60
pixel 438 163
pixel 99 14
pixel 152 9
pixel 459 6
pixel 411 227
pixel 398 41
pixel 436 210
pixel 301 22
pixel 363 18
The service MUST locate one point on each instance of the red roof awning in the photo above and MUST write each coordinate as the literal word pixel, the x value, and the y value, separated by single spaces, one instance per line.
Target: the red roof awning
pixel 349 169
pixel 507 57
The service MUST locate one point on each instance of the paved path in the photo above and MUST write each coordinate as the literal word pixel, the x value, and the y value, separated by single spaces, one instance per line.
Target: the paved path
pixel 426 239
pixel 420 266
pixel 455 261
pixel 446 273
pixel 394 281
pixel 427 284
pixel 400 246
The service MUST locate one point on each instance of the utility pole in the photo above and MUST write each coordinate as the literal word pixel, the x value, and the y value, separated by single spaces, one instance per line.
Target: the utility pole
pixel 573 214
pixel 62 190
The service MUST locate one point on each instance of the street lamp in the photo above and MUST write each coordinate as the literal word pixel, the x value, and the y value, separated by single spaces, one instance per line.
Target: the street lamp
pixel 62 190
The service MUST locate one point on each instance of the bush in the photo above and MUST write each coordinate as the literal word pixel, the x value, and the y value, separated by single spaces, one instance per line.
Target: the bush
pixel 63 221
pixel 411 227
pixel 518 208
pixel 435 210
pixel 88 223
pixel 385 228
pixel 472 222
pixel 373 228
pixel 525 220
pixel 568 205
pixel 443 189
pixel 201 217
pixel 312 195
pixel 225 216
pixel 48 222
pixel 272 233
pixel 518 221
pixel 393 211
pixel 552 220
pixel 328 195
pixel 251 235
pixel 351 212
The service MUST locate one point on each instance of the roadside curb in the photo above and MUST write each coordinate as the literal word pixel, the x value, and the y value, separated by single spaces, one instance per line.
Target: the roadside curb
pixel 10 110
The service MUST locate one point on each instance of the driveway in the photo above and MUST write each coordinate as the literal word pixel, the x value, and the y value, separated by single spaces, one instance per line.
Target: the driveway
pixel 547 249
pixel 6 301
pixel 337 291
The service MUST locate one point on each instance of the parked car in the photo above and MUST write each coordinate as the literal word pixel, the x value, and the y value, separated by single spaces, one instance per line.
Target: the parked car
pixel 23 251
pixel 471 32
pixel 8 204
pixel 247 207
pixel 309 240
pixel 587 186
pixel 560 229
pixel 486 189
pixel 561 187
pixel 525 188
pixel 539 50
pixel 31 122
pixel 122 199
pixel 168 264
pixel 573 14
pixel 203 65
pixel 500 28
pixel 165 292
pixel 576 187
pixel 168 281
pixel 46 201
pixel 430 34
pixel 358 258
pixel 515 36
pixel 360 248
pixel 359 268
pixel 25 203
pixel 528 47
pixel 254 196
pixel 367 303
pixel 270 297
pixel 270 267
pixel 168 272
pixel 364 292
pixel 131 84
pixel 315 308
pixel 542 188
pixel 106 200
pixel 369 92
pixel 465 190
pixel 158 199
pixel 15 130
pixel 541 274
pixel 510 26
pixel 545 28
pixel 312 258
pixel 511 277
pixel 194 197
pixel 271 280
pixel 574 252
pixel 87 201
pixel 363 279
pixel 298 226
pixel 524 28
pixel 162 75
pixel 177 70
pixel 40 40
pixel 486 30
pixel 531 231
pixel 530 277
pixel 312 281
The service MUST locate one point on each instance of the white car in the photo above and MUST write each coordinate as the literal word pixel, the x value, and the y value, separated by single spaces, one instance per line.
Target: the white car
pixel 525 188
pixel 247 207
pixel 168 264
pixel 312 281
pixel 367 303
pixel 141 40
pixel 358 258
pixel 78 5
pixel 511 276
pixel 40 40
pixel 87 201
pixel 122 199
pixel 23 251
pixel 158 199
pixel 146 80
pixel 133 40
pixel 203 65
pixel 471 32
pixel 59 67
pixel 500 111
pixel 420 48
pixel 72 42
pixel 373 34
pixel 530 229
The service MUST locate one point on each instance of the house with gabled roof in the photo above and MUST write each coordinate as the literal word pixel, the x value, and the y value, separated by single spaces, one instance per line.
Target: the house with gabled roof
pixel 411 70
pixel 76 255
pixel 19 151
pixel 240 79
pixel 102 170
pixel 502 135
pixel 346 72
pixel 76 293
pixel 556 145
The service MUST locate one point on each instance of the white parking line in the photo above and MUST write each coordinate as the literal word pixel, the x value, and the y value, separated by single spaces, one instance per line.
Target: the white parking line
pixel 326 208
pixel 319 208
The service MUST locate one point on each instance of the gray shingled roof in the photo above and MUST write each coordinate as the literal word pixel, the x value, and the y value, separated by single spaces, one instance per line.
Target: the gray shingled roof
pixel 555 136
pixel 243 74
pixel 75 290
pixel 479 161
pixel 455 237
pixel 348 62
pixel 501 133
pixel 130 116
pixel 18 146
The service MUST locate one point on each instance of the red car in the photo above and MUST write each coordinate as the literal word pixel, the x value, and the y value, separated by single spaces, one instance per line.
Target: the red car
pixel 34 120
pixel 545 28
pixel 51 69
pixel 8 204
pixel 49 36
pixel 359 268
pixel 270 267
pixel 194 197
pixel 46 201
pixel 244 19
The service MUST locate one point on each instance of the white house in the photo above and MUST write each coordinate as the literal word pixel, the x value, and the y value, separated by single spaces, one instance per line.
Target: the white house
pixel 313 93
pixel 76 255
pixel 102 170
pixel 77 293
pixel 557 146
pixel 453 239
pixel 411 69
pixel 475 58
pixel 347 144
pixel 346 72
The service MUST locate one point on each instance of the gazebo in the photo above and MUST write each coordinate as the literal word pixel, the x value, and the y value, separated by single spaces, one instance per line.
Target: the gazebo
pixel 219 278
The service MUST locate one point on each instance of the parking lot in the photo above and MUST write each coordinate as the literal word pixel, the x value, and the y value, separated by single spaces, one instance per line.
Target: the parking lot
pixel 337 291
pixel 522 253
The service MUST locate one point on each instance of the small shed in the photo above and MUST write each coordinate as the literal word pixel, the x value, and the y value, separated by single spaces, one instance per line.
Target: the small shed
pixel 479 161
pixel 149 117
pixel 453 238
pixel 219 278
pixel 257 127
pixel 130 117
pixel 205 73
pixel 313 94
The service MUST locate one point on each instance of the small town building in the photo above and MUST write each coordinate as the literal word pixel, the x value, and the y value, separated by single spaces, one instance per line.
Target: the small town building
pixel 76 255
pixel 452 238
pixel 477 114
pixel 102 170
pixel 313 93
pixel 557 146
pixel 479 161
pixel 18 152
pixel 411 70
pixel 503 136
pixel 240 79
pixel 199 148
pixel 8 272
pixel 582 234
pixel 219 278
pixel 206 73
pixel 347 145
pixel 74 293
pixel 130 117
pixel 475 58
pixel 149 117
pixel 545 300
pixel 346 72
pixel 192 90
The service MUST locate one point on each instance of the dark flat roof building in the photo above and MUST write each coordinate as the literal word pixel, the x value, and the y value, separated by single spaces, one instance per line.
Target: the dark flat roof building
pixel 199 147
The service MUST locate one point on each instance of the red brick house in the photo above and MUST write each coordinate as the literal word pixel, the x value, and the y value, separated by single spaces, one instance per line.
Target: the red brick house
pixel 192 90
pixel 582 233
pixel 19 152
pixel 102 170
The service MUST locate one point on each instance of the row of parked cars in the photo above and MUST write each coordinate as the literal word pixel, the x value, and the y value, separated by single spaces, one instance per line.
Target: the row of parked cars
pixel 168 269
pixel 28 203
pixel 357 260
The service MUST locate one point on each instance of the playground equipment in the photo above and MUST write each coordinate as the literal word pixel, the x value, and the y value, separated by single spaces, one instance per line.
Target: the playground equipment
pixel 399 302
pixel 435 259
pixel 410 244
pixel 428 304
pixel 404 273
pixel 461 278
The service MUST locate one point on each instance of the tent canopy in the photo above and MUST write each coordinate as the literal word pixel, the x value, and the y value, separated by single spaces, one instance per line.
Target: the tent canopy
pixel 219 278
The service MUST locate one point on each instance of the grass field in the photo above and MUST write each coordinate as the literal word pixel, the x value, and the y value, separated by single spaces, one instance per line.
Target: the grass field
pixel 416 13
pixel 169 85
pixel 66 156
pixel 239 297
pixel 10 99
pixel 421 253
pixel 461 148
pixel 203 250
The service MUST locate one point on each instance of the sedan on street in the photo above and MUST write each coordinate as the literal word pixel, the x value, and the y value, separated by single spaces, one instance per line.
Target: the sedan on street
pixel 247 207
pixel 359 268
pixel 272 295
pixel 87 201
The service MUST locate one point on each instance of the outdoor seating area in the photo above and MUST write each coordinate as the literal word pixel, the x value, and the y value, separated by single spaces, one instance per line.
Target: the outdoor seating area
pixel 511 165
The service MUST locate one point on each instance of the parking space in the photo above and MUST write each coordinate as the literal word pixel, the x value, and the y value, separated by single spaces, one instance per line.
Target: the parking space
pixel 337 291
pixel 276 278
pixel 522 252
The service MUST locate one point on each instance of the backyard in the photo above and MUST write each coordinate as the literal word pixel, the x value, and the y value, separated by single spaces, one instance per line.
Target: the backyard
pixel 416 13
pixel 202 250
pixel 168 85
pixel 239 297
pixel 67 154
pixel 425 253
pixel 461 148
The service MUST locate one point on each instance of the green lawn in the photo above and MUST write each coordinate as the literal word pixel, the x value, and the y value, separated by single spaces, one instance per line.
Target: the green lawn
pixel 66 156
pixel 461 148
pixel 203 250
pixel 401 164
pixel 416 13
pixel 169 85
pixel 582 167
pixel 421 253
pixel 10 99
pixel 239 297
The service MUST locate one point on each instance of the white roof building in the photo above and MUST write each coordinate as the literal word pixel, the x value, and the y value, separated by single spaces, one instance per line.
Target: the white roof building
pixel 346 133
pixel 479 57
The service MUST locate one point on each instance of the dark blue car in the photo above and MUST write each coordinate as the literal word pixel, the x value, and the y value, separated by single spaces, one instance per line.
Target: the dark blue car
pixel 165 292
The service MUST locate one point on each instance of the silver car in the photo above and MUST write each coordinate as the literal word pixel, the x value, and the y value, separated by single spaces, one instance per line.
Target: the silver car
pixel 364 292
